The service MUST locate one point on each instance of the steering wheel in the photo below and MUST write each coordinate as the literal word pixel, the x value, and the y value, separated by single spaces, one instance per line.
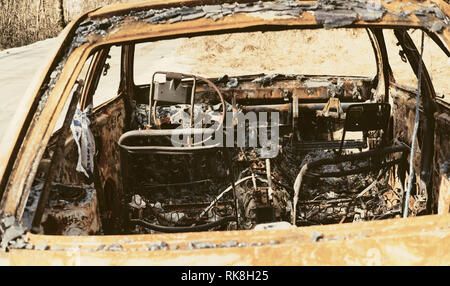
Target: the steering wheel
pixel 153 103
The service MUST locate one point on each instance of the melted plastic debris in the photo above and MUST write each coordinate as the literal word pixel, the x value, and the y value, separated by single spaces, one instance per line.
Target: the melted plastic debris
pixel 267 79
pixel 32 202
pixel 161 245
pixel 403 13
pixel 12 234
pixel 140 114
pixel 114 247
pixel 200 245
pixel 232 82
pixel 77 41
pixel 98 27
pixel 227 244
pixel 370 15
pixel 427 16
pixel 335 18
pixel 178 114
pixel 42 246
pixel 54 76
pixel 335 13
pixel 430 9
pixel 215 12
pixel 437 27
pixel 21 242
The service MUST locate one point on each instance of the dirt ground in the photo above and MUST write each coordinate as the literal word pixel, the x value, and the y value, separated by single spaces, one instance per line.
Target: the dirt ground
pixel 336 52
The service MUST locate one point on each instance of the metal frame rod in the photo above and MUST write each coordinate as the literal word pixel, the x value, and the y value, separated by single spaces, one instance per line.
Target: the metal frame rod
pixel 57 158
pixel 174 229
pixel 414 135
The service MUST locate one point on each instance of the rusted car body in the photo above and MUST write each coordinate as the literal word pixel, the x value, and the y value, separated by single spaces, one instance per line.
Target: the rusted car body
pixel 104 220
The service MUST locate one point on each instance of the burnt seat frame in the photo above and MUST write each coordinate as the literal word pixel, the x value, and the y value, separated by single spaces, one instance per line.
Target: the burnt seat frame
pixel 126 148
pixel 362 117
pixel 366 117
pixel 380 153
pixel 359 117
pixel 174 98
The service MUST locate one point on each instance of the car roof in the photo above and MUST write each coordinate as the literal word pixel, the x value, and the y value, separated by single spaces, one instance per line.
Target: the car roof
pixel 393 8
pixel 430 15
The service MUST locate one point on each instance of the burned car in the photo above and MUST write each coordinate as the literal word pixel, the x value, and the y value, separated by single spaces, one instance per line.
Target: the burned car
pixel 235 161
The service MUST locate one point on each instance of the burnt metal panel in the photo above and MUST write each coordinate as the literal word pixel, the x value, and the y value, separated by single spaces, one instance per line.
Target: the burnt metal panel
pixel 418 241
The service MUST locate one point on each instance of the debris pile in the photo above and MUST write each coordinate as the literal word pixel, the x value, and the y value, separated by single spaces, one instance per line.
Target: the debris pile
pixel 359 197
pixel 12 235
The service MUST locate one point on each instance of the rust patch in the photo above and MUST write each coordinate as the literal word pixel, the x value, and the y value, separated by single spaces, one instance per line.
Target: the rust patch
pixel 108 124
pixel 441 171
pixel 72 211
pixel 403 110
pixel 418 241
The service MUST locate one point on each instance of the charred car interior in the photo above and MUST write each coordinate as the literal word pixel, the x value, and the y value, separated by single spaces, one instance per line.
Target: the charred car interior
pixel 141 183
pixel 254 150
